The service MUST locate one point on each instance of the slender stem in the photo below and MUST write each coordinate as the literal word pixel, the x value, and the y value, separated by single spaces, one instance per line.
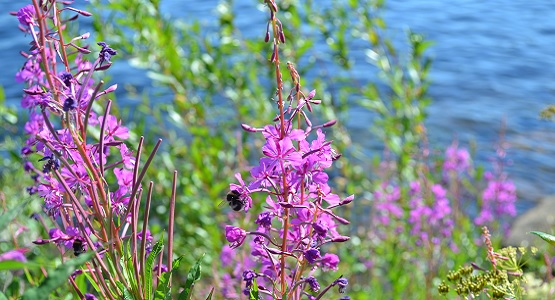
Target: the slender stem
pixel 171 224
pixel 42 36
pixel 137 182
pixel 134 220
pixel 101 138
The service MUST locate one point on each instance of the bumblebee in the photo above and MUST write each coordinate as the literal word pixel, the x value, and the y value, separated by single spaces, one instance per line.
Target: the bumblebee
pixel 78 247
pixel 234 201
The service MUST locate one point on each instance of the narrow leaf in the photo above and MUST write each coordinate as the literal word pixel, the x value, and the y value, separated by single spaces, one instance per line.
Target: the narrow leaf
pixel 17 265
pixel 545 236
pixel 253 295
pixel 163 290
pixel 192 276
pixel 156 249
pixel 126 294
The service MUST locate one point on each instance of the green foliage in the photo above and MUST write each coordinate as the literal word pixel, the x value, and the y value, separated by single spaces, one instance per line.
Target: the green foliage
pixel 503 281
pixel 163 290
pixel 156 249
pixel 9 215
pixel 192 277
pixel 545 236
pixel 254 295
pixel 56 278
pixel 548 112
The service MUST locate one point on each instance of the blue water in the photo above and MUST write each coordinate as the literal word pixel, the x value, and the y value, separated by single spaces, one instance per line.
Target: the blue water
pixel 494 61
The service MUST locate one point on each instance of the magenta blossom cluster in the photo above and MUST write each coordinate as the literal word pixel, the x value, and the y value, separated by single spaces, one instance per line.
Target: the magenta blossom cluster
pixel 429 213
pixel 498 197
pixel 498 200
pixel 290 241
pixel 82 169
pixel 456 159
pixel 298 219
pixel 59 105
pixel 431 222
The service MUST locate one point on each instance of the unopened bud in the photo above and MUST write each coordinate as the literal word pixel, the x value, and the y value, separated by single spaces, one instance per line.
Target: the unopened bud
pixel 311 95
pixel 82 50
pixel 281 37
pixel 342 221
pixel 248 128
pixel 285 204
pixel 41 242
pixel 273 58
pixel 329 123
pixel 348 199
pixel 81 12
pixel 340 239
pixel 110 89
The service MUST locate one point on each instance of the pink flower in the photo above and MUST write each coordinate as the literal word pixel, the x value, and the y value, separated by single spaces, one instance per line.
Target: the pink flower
pixel 330 261
pixel 457 160
pixel 235 235
pixel 26 15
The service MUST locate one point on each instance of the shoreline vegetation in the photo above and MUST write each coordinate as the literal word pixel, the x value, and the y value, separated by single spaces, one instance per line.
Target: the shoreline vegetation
pixel 247 185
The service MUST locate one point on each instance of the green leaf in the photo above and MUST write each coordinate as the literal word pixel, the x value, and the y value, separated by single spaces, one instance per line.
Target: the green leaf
pixel 56 277
pixel 156 249
pixel 8 216
pixel 253 295
pixel 545 236
pixel 126 294
pixel 18 265
pixel 192 276
pixel 163 290
pixel 3 296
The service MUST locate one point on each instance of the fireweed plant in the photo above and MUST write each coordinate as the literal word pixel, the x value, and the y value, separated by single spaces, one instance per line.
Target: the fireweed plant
pixel 89 179
pixel 298 218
